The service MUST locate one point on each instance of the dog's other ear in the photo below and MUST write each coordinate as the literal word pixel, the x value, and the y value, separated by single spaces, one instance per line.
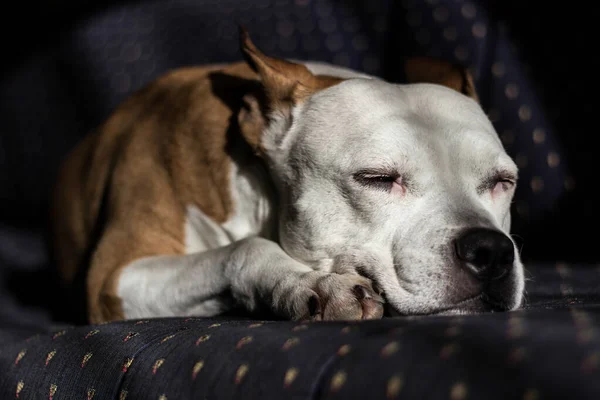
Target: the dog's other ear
pixel 432 70
pixel 286 83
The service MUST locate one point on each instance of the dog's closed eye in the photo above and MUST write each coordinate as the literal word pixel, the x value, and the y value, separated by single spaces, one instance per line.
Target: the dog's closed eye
pixel 382 180
pixel 498 184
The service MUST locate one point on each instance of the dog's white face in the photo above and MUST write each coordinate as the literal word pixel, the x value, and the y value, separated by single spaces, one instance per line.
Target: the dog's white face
pixel 409 181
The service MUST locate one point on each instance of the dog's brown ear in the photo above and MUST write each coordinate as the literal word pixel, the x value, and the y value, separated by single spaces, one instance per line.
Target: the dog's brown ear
pixel 432 70
pixel 286 83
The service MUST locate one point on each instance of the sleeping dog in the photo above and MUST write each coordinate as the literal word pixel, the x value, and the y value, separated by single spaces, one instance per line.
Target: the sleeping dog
pixel 308 190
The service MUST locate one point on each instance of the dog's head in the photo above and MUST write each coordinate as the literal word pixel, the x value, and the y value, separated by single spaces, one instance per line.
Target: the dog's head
pixel 410 181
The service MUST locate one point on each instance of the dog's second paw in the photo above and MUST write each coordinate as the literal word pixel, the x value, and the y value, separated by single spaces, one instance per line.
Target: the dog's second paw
pixel 344 297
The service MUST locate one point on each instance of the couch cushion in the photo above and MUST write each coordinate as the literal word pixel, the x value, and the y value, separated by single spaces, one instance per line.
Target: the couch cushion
pixel 550 349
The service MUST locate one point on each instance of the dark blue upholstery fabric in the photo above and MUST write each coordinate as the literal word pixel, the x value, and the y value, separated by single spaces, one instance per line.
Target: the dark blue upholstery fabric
pixel 57 94
pixel 532 71
pixel 64 82
pixel 550 350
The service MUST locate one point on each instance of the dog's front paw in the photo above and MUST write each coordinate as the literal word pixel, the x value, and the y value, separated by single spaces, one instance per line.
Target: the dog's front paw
pixel 345 297
pixel 320 296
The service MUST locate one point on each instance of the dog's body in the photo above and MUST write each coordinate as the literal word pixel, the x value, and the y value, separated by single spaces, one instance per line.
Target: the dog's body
pixel 304 190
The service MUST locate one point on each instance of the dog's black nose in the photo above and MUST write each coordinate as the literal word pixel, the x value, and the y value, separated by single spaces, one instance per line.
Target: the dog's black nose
pixel 487 253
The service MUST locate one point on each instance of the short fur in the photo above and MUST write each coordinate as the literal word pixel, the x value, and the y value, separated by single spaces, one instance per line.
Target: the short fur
pixel 192 197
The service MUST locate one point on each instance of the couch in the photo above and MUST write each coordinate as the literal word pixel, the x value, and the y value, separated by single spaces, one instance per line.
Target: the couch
pixel 68 66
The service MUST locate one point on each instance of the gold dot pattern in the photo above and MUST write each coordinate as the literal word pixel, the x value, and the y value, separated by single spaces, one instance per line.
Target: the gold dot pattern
pixel 394 387
pixel 539 136
pixel 290 377
pixel 85 359
pixel 127 364
pixel 157 365
pixel 457 28
pixel 498 69
pixel 243 341
pixel 479 30
pixel 537 184
pixel 300 328
pixel 129 336
pixel 553 159
pixel 241 373
pixel 390 349
pixel 91 333
pixel 197 368
pixel 531 394
pixel 346 329
pixel 202 339
pixel 20 356
pixel 291 342
pixel 524 113
pixel 338 380
pixel 50 356
pixel 343 350
pixel 20 386
pixel 59 334
pixel 53 389
pixel 512 91
pixel 458 391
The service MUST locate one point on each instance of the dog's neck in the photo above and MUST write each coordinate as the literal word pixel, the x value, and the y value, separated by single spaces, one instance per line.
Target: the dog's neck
pixel 254 210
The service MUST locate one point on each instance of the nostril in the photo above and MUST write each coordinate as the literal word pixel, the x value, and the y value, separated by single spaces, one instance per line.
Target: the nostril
pixel 482 256
pixel 486 253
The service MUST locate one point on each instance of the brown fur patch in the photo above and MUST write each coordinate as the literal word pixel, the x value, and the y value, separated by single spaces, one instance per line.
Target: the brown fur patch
pixel 164 148
pixel 122 193
pixel 432 70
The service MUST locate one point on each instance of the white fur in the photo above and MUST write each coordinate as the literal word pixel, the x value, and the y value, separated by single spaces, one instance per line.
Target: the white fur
pixel 253 213
pixel 438 139
pixel 158 286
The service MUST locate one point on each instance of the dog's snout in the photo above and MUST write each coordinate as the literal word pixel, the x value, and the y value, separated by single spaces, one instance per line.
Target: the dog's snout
pixel 486 253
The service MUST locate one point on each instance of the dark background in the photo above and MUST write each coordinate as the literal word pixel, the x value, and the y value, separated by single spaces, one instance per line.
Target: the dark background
pixel 66 65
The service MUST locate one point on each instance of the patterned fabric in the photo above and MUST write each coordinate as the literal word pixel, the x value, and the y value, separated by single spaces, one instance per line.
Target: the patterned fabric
pixel 59 91
pixel 550 350
pixel 78 80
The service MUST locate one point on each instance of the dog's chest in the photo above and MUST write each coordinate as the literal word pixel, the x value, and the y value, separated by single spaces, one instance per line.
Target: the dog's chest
pixel 253 212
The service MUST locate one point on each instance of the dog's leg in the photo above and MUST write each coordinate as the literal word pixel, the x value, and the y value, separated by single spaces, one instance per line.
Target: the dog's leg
pixel 252 273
